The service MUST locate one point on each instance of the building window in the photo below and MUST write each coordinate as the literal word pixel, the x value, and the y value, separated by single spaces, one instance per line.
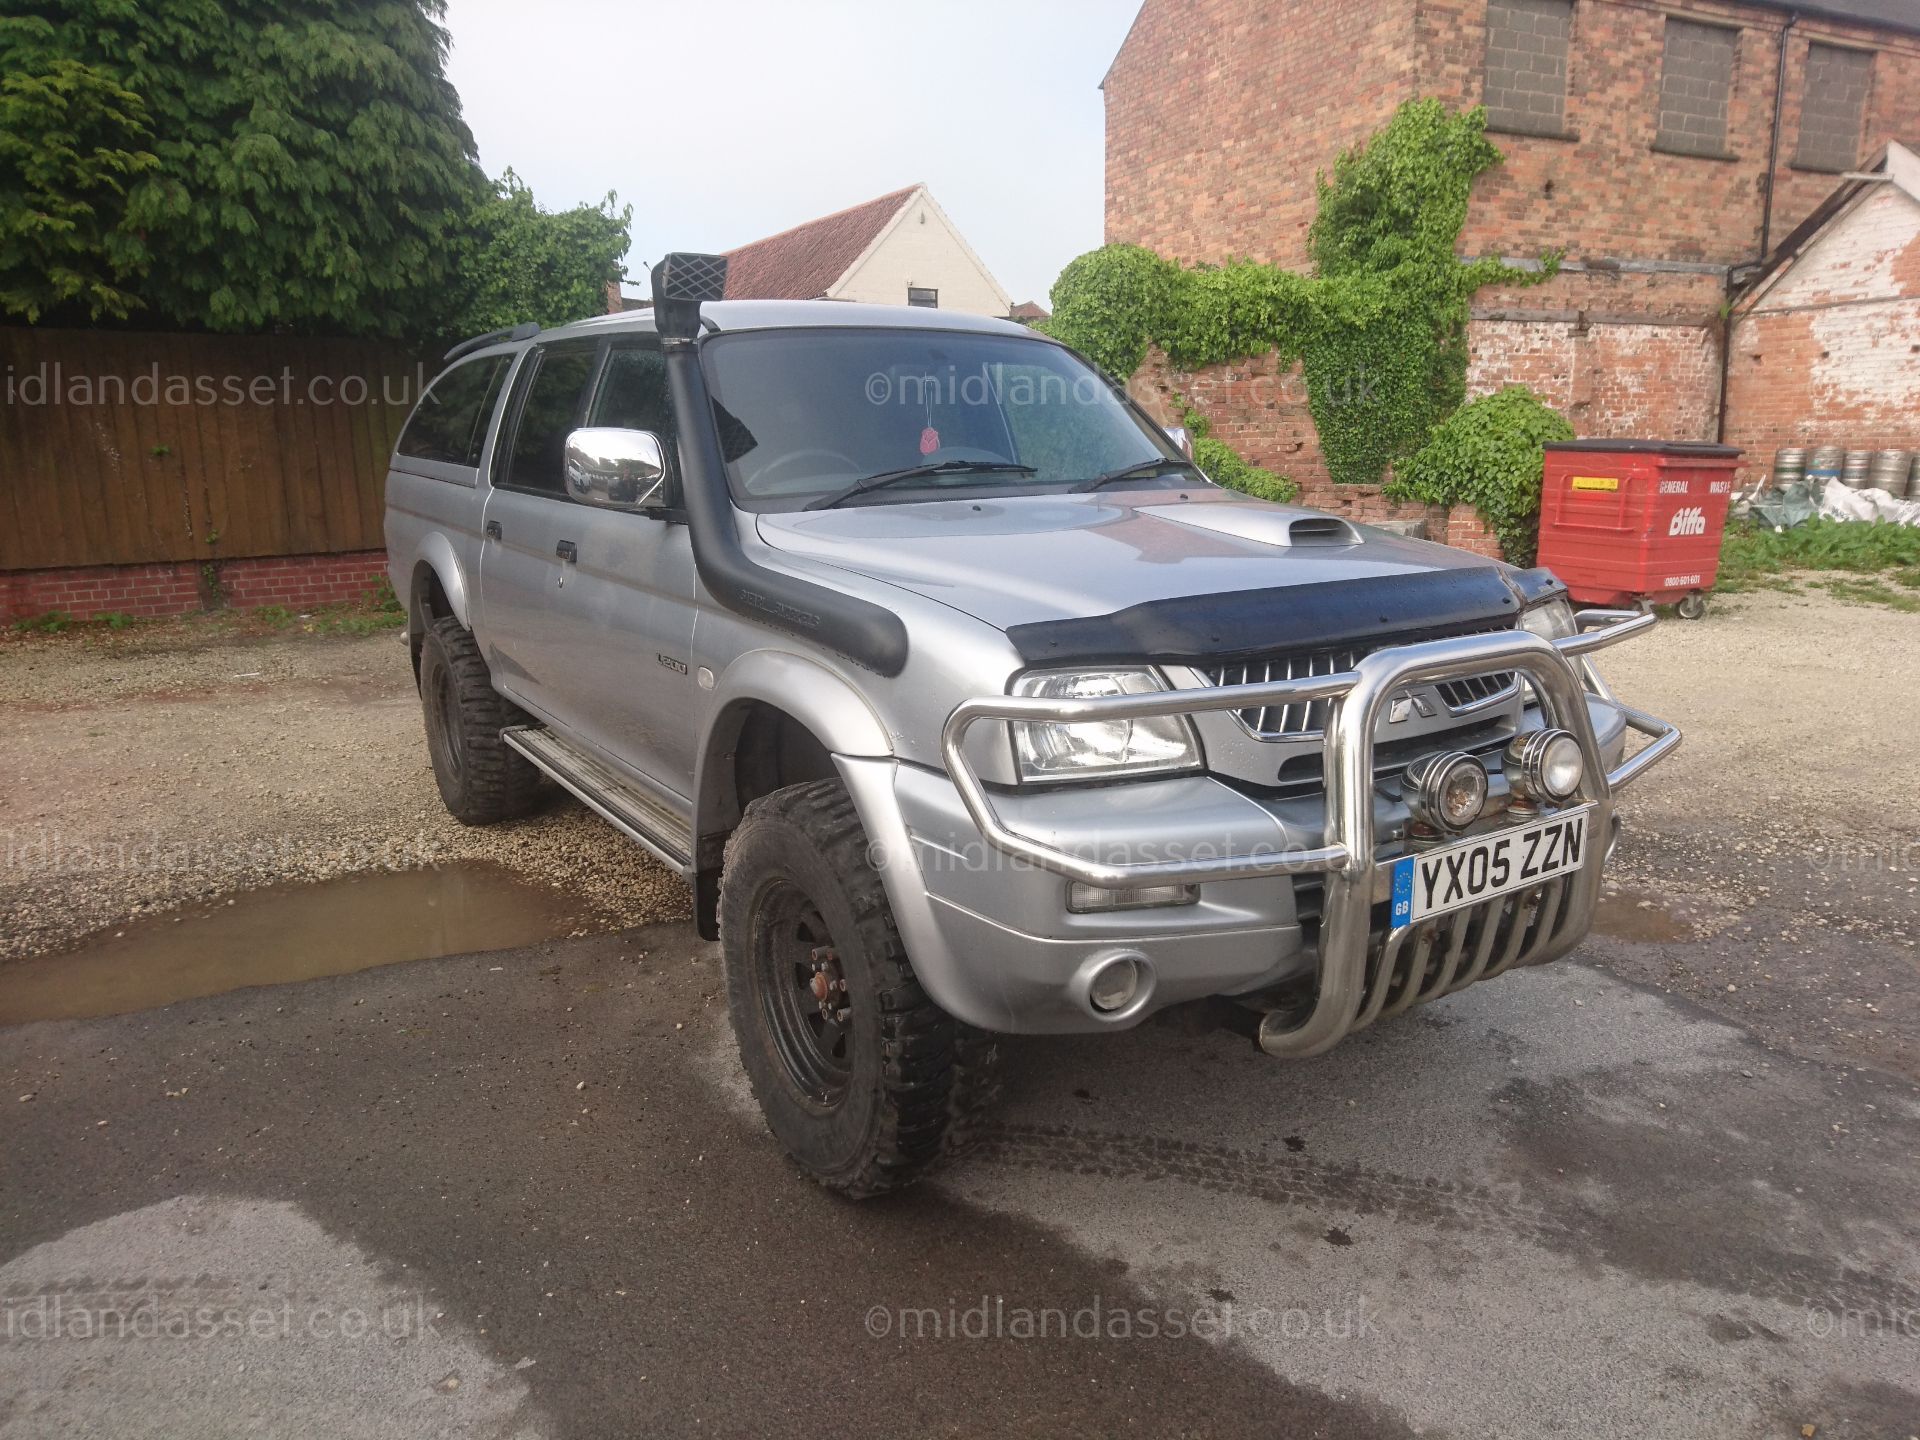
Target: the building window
pixel 1833 101
pixel 1696 77
pixel 926 299
pixel 1526 80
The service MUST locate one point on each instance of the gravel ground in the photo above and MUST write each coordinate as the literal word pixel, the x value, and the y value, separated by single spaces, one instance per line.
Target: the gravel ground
pixel 150 770
pixel 1662 1189
pixel 159 767
pixel 1799 713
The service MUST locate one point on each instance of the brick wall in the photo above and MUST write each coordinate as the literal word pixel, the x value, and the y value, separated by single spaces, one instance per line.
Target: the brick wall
pixel 1607 190
pixel 1260 409
pixel 1613 381
pixel 299 582
pixel 1219 113
pixel 1829 352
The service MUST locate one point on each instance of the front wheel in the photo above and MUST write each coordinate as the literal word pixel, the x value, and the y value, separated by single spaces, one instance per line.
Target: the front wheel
pixel 1692 605
pixel 862 1077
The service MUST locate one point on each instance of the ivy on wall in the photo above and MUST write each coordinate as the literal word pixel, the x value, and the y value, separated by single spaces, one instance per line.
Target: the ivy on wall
pixel 1488 454
pixel 1225 465
pixel 1380 323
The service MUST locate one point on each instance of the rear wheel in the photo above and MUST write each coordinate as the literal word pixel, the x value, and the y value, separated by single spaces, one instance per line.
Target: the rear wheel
pixel 864 1080
pixel 1692 605
pixel 482 779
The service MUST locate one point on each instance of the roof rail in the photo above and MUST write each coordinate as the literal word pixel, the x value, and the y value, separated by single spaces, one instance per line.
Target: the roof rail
pixel 525 330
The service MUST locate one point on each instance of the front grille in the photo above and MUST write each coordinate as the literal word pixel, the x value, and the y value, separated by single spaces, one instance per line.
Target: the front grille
pixel 1476 692
pixel 1308 720
pixel 1286 722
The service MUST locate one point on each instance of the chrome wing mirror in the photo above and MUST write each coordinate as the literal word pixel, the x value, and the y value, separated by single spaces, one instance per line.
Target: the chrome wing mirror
pixel 616 469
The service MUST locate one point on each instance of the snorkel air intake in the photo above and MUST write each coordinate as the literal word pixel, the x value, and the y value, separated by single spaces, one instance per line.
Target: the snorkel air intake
pixel 863 632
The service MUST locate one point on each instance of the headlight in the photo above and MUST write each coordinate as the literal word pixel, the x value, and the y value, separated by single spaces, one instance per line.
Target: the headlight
pixel 1552 620
pixel 1100 747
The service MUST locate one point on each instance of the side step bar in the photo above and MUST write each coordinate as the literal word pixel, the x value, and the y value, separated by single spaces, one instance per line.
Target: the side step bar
pixel 628 808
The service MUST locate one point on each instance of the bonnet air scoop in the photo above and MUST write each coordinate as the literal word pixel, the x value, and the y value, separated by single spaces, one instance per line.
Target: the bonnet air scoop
pixel 1322 530
pixel 1264 523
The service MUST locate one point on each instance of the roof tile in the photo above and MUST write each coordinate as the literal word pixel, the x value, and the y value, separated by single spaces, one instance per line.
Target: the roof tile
pixel 799 264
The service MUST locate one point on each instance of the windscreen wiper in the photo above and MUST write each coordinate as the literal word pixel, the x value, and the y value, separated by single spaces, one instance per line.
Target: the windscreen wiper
pixel 1138 471
pixel 918 472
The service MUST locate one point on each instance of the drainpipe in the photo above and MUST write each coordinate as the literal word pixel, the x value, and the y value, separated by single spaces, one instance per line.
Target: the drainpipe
pixel 1773 142
pixel 1766 218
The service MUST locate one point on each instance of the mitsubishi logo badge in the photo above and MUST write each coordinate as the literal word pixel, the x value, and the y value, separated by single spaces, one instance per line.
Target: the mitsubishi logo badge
pixel 1405 705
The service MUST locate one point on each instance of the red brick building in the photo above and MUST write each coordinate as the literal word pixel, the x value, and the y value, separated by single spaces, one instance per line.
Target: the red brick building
pixel 1668 148
pixel 1824 343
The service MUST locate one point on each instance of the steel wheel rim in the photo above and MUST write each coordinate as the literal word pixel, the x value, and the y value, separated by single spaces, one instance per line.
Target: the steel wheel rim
pixel 444 705
pixel 791 950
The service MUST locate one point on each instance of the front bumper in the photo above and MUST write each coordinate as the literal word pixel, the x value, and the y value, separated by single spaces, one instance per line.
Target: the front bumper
pixel 979 894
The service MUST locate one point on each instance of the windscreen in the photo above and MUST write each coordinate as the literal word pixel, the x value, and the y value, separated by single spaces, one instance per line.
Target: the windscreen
pixel 804 414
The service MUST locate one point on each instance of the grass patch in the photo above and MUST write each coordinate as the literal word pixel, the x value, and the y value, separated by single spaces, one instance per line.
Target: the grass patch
pixel 51 623
pixel 1757 557
pixel 1872 592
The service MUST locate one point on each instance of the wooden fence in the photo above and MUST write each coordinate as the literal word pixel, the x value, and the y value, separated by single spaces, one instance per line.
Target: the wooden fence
pixel 118 448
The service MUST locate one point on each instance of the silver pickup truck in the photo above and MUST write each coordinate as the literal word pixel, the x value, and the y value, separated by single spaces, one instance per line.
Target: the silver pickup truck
pixel 966 704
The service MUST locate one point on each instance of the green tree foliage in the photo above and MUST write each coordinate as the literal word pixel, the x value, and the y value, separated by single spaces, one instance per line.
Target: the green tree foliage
pixel 525 263
pixel 284 163
pixel 1379 325
pixel 1488 454
pixel 72 141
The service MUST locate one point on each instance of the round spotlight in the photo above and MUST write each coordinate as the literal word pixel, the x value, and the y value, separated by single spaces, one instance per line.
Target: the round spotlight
pixel 1114 985
pixel 1545 765
pixel 1446 791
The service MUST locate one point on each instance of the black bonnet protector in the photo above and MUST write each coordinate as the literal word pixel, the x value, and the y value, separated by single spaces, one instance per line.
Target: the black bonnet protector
pixel 1189 629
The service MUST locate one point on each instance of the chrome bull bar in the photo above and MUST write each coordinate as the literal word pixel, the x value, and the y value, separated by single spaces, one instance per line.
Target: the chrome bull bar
pixel 1348 857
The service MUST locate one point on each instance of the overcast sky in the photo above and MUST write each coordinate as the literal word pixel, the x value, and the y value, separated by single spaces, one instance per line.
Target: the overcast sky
pixel 728 120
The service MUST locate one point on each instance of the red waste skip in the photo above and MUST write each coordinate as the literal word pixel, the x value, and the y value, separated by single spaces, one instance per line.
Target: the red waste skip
pixel 1634 522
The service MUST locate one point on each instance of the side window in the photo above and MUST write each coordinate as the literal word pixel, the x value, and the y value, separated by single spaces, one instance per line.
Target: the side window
pixel 450 422
pixel 550 412
pixel 633 395
pixel 633 392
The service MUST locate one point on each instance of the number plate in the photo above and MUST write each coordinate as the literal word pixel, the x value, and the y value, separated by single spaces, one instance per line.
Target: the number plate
pixel 1436 881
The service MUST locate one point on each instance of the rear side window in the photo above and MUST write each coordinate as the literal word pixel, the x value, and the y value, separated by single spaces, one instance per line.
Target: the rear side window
pixel 450 422
pixel 551 411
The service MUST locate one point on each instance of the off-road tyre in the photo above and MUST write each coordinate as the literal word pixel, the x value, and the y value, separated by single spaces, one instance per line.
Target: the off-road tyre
pixel 482 779
pixel 913 1083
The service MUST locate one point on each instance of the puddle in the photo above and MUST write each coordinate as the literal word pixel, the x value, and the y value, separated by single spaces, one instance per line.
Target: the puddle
pixel 286 933
pixel 1643 917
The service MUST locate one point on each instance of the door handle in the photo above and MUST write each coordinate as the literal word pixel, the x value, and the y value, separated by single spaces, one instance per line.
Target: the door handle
pixel 568 551
pixel 494 532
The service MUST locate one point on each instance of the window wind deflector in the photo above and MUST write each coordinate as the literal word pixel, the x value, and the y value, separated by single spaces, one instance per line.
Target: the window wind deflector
pixel 919 472
pixel 1140 471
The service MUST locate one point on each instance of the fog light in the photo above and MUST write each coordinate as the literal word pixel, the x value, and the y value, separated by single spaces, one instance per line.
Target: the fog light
pixel 1545 765
pixel 1092 899
pixel 1446 791
pixel 1114 985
